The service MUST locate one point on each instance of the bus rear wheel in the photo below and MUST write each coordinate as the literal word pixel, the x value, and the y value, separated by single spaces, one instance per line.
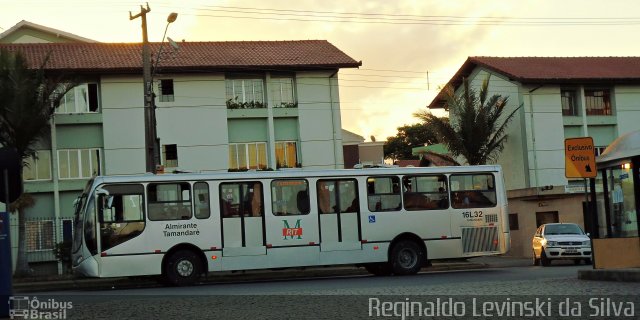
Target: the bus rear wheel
pixel 406 258
pixel 182 268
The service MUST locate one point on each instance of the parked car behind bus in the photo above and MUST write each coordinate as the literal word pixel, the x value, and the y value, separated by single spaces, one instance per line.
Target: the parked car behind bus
pixel 561 241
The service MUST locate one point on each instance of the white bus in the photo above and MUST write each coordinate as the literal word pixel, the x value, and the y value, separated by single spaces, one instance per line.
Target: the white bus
pixel 391 221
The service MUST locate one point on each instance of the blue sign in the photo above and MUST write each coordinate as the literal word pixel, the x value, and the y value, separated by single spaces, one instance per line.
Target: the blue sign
pixel 624 176
pixel 6 287
pixel 372 219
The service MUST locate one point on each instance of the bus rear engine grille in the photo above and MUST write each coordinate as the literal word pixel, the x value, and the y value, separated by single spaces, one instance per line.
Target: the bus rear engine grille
pixel 480 239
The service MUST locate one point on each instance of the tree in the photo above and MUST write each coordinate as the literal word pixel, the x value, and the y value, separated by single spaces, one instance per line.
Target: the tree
pixel 408 136
pixel 28 98
pixel 477 129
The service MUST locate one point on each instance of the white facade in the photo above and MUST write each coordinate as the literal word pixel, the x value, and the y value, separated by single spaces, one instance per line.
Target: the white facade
pixel 533 159
pixel 534 153
pixel 197 122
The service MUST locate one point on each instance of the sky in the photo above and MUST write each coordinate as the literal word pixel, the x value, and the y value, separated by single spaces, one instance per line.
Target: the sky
pixel 409 48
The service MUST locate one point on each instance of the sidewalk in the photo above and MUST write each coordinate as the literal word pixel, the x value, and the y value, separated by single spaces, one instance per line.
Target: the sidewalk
pixel 502 261
pixel 625 275
pixel 71 283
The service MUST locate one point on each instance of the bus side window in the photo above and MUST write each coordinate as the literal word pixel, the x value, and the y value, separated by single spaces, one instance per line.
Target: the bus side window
pixel 201 200
pixel 383 194
pixel 256 200
pixel 473 190
pixel 290 197
pixel 302 201
pixel 169 201
pixel 241 199
pixel 324 197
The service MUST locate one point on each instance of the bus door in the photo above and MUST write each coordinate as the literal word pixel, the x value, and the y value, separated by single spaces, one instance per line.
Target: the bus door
pixel 339 215
pixel 121 219
pixel 290 223
pixel 242 214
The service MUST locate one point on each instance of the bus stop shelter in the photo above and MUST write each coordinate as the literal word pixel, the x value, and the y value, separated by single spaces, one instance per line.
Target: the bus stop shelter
pixel 618 203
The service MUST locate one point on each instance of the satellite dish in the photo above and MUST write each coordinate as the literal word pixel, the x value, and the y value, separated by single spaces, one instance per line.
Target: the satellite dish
pixel 173 43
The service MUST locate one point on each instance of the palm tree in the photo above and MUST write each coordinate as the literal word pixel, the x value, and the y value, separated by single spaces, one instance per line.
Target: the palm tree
pixel 28 98
pixel 476 127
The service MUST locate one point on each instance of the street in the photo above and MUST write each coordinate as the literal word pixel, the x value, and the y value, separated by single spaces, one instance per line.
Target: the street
pixel 352 296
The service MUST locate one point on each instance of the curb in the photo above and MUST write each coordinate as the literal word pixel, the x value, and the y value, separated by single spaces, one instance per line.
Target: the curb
pixel 219 278
pixel 626 275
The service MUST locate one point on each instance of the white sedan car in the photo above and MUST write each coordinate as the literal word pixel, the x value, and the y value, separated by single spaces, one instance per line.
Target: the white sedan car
pixel 561 241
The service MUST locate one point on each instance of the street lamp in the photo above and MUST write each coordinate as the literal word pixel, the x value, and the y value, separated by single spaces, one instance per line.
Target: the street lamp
pixel 156 141
pixel 152 150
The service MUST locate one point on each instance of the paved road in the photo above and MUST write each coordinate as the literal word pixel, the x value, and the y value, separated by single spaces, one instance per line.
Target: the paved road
pixel 355 296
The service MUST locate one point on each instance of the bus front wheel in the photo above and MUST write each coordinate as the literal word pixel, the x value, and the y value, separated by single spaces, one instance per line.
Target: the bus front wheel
pixel 406 258
pixel 182 268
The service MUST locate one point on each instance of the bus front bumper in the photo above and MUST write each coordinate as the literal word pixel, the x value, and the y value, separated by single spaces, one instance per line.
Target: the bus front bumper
pixel 86 268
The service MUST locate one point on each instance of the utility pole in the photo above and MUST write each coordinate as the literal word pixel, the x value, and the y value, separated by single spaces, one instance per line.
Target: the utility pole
pixel 150 137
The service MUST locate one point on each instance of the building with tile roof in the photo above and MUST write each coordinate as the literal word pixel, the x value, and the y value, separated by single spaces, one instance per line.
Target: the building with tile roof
pixel 559 97
pixel 357 151
pixel 29 32
pixel 221 106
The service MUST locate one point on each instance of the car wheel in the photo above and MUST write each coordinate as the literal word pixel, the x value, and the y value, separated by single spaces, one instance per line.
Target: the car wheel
pixel 544 260
pixel 182 268
pixel 406 258
pixel 379 269
pixel 536 261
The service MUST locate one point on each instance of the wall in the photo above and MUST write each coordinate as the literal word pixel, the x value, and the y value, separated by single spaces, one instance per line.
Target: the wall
pixel 319 116
pixel 123 124
pixel 606 253
pixel 627 108
pixel 371 152
pixel 196 121
pixel 545 136
pixel 351 156
pixel 569 208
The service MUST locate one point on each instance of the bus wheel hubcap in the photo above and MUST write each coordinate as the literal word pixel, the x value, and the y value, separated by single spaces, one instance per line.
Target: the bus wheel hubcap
pixel 408 258
pixel 184 268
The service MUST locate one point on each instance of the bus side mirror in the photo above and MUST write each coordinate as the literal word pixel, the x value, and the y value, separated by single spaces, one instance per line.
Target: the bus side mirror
pixel 102 195
pixel 109 202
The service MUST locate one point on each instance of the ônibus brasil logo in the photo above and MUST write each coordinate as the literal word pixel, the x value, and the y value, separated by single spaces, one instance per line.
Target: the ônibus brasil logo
pixel 289 233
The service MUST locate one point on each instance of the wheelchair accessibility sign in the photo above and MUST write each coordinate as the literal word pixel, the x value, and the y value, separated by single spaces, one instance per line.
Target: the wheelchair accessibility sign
pixel 372 219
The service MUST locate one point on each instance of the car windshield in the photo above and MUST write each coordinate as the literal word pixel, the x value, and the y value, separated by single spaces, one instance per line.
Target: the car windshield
pixel 562 229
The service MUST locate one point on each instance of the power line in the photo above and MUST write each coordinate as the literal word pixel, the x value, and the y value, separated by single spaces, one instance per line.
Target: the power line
pixel 431 22
pixel 413 16
pixel 379 18
pixel 365 17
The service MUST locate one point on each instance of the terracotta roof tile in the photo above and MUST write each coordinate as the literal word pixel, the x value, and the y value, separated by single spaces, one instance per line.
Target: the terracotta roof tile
pixel 189 57
pixel 564 68
pixel 551 70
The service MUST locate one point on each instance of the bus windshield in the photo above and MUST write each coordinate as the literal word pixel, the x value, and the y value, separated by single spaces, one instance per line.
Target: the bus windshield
pixel 78 206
